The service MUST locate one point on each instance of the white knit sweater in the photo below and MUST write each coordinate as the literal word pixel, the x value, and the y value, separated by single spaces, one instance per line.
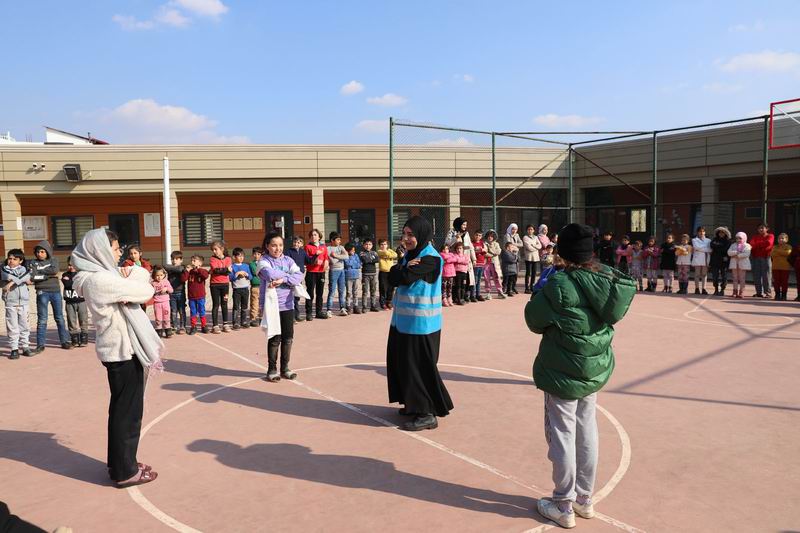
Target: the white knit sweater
pixel 103 291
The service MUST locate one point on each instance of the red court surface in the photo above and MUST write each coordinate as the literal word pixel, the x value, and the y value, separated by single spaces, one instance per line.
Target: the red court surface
pixel 698 430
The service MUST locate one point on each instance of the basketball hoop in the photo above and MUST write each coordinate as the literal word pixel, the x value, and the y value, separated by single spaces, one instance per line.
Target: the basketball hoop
pixel 784 124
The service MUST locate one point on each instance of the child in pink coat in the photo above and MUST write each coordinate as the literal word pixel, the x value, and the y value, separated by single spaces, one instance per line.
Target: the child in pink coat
pixel 461 265
pixel 448 275
pixel 162 288
pixel 624 254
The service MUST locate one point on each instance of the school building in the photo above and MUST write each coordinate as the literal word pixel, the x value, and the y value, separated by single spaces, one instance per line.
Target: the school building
pixel 238 192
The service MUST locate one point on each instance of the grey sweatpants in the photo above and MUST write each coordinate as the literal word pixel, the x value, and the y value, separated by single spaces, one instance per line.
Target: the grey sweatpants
pixel 369 291
pixel 353 294
pixel 570 427
pixel 17 327
pixel 77 318
pixel 762 274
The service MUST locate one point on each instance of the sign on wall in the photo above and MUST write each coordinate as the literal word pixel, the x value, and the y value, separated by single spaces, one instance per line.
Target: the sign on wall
pixel 152 224
pixel 34 228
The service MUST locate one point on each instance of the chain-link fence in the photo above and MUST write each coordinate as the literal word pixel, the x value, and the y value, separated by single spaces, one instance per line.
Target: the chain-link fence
pixel 636 183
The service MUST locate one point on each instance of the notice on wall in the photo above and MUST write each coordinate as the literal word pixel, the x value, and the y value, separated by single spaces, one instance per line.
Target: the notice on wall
pixel 247 224
pixel 257 223
pixel 34 228
pixel 238 225
pixel 228 224
pixel 152 224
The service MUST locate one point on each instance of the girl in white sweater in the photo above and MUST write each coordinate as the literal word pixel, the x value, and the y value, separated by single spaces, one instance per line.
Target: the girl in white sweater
pixel 126 344
pixel 739 252
pixel 701 254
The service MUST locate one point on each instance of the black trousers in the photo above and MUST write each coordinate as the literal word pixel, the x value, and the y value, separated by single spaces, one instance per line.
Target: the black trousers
pixel 510 282
pixel 315 285
pixel 460 286
pixel 10 523
pixel 530 274
pixel 719 275
pixel 241 311
pixel 219 300
pixel 385 289
pixel 126 381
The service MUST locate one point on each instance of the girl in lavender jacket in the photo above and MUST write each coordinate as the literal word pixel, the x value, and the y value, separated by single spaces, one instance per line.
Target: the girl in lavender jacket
pixel 280 274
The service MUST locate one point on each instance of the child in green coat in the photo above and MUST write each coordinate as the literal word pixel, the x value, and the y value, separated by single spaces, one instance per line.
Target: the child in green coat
pixel 575 313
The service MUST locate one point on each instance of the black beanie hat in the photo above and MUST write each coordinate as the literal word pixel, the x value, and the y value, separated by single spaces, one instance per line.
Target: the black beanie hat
pixel 575 243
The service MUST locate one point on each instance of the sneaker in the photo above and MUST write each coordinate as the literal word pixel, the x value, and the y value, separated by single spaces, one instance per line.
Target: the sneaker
pixel 323 315
pixel 696 290
pixel 215 330
pixel 342 312
pixel 549 509
pixel 38 349
pixel 487 297
pixel 193 330
pixel 272 376
pixel 329 313
pixel 168 333
pixel 375 310
pixel 226 328
pixel 14 354
pixel 26 352
pixel 205 329
pixel 236 326
pixel 256 323
pixel 288 374
pixel 180 331
pixel 357 311
pixel 585 510
pixel 66 346
pixel 501 295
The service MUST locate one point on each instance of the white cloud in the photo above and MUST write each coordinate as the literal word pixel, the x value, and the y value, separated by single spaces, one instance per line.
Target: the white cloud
pixel 171 17
pixel 466 78
pixel 374 126
pixel 742 28
pixel 203 8
pixel 144 120
pixel 572 121
pixel 388 100
pixel 174 13
pixel 351 87
pixel 130 23
pixel 722 88
pixel 461 141
pixel 766 61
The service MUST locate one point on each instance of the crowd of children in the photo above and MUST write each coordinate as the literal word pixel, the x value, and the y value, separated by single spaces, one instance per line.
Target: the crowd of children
pixel 359 278
pixel 769 263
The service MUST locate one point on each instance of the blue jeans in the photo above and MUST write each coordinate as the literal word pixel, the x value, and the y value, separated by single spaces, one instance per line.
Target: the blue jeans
pixel 177 306
pixel 338 284
pixel 55 301
pixel 478 276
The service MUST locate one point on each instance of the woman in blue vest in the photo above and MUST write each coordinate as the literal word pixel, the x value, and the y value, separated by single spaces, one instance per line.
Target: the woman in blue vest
pixel 413 348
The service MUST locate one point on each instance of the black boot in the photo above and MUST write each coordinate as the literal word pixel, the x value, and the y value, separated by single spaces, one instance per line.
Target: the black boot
pixel 286 355
pixel 778 295
pixel 421 422
pixel 84 339
pixel 75 340
pixel 272 359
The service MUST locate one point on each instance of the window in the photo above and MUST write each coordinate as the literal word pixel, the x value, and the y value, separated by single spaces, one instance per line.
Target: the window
pixel 752 212
pixel 530 216
pixel 332 223
pixel 68 231
pixel 487 220
pixel 639 220
pixel 605 219
pixel 201 229
pixel 400 217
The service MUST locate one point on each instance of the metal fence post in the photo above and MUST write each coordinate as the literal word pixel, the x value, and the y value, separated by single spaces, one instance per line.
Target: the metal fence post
pixel 494 186
pixel 570 189
pixel 654 194
pixel 391 181
pixel 765 172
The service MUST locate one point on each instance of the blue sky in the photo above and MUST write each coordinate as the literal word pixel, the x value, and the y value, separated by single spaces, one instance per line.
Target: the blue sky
pixel 205 71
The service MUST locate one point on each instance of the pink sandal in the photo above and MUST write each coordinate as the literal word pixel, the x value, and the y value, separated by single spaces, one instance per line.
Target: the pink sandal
pixel 145 476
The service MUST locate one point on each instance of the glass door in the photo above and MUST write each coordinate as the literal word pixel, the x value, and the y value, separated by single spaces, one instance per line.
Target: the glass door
pixel 361 226
pixel 126 227
pixel 280 222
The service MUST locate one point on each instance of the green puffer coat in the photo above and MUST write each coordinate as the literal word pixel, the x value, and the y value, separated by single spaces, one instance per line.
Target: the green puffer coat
pixel 575 313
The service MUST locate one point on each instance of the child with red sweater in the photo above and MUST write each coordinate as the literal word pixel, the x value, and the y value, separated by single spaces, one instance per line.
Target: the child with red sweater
pixel 761 246
pixel 221 268
pixel 315 273
pixel 448 275
pixel 162 289
pixel 480 263
pixel 196 289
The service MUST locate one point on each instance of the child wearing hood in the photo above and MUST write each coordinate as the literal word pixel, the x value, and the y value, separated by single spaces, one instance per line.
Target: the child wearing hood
pixel 492 271
pixel 575 313
pixel 780 266
pixel 718 261
pixel 15 279
pixel 739 252
pixel 44 273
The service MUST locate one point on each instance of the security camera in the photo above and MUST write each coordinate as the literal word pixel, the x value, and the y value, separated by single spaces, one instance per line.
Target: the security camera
pixel 42 166
pixel 35 166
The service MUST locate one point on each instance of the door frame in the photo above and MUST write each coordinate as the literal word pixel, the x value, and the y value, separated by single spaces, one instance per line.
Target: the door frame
pixel 287 234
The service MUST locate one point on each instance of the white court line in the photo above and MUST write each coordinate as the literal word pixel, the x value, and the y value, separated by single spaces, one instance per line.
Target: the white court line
pixel 175 524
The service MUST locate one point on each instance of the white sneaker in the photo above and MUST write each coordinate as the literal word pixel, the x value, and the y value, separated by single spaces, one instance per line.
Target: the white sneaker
pixel 501 295
pixel 343 312
pixel 328 313
pixel 549 509
pixel 488 296
pixel 585 510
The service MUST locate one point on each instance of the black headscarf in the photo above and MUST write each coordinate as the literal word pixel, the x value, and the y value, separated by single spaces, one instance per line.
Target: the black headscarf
pixel 457 223
pixel 422 230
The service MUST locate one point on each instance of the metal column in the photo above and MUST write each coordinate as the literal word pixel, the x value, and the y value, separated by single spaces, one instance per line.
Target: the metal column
pixel 494 186
pixel 167 214
pixel 765 172
pixel 391 182
pixel 654 193
pixel 571 191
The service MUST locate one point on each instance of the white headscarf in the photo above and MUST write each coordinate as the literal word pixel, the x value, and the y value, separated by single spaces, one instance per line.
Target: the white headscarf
pixel 510 227
pixel 542 227
pixel 93 254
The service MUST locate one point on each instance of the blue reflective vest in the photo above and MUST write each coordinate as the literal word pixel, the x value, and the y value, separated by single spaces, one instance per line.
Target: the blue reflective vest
pixel 418 307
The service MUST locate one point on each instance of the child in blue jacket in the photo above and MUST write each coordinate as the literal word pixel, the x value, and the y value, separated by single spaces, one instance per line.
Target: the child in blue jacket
pixel 240 279
pixel 352 277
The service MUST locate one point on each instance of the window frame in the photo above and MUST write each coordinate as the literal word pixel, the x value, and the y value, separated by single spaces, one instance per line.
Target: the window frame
pixel 72 219
pixel 204 237
pixel 630 219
